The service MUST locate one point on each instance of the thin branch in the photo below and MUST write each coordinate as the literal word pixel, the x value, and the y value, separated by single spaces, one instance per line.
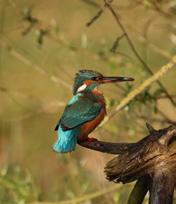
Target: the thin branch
pixel 106 147
pixel 99 13
pixel 164 97
pixel 84 197
pixel 28 62
pixel 117 18
pixel 155 48
pixel 167 119
pixel 131 5
pixel 148 69
pixel 163 120
pixel 92 3
pixel 155 7
pixel 116 43
pixel 163 70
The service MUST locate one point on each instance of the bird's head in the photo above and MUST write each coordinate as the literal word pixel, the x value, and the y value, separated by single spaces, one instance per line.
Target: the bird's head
pixel 87 80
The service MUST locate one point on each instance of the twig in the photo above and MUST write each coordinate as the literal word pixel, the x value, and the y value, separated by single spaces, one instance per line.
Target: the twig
pixel 155 7
pixel 142 39
pixel 83 198
pixel 164 97
pixel 99 13
pixel 163 70
pixel 28 62
pixel 95 17
pixel 167 119
pixel 148 69
pixel 163 120
pixel 116 43
pixel 92 3
pixel 117 18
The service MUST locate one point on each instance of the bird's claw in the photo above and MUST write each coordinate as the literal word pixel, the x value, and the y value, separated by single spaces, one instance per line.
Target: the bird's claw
pixel 92 139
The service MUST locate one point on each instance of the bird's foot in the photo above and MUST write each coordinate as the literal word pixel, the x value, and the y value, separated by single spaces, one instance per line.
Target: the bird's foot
pixel 92 139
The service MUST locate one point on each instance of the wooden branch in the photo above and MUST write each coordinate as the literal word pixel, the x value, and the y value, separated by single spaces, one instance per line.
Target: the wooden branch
pixel 153 157
pixel 139 191
pixel 83 198
pixel 106 147
pixel 142 157
pixel 120 148
pixel 156 76
pixel 151 161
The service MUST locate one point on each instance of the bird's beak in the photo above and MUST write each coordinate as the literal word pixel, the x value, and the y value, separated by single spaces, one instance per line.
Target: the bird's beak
pixel 104 80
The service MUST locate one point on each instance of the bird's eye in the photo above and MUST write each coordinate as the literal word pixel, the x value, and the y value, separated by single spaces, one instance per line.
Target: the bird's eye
pixel 96 78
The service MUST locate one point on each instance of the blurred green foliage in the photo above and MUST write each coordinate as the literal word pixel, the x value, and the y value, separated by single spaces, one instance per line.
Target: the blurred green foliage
pixel 16 186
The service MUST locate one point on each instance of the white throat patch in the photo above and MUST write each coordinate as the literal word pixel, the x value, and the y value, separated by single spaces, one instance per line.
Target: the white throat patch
pixel 81 88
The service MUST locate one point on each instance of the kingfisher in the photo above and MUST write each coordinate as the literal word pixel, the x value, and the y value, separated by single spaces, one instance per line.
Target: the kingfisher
pixel 85 111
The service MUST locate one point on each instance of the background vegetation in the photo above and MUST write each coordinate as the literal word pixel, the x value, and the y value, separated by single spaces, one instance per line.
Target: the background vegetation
pixel 42 45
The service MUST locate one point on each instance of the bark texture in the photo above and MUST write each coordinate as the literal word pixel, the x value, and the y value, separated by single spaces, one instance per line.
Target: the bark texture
pixel 150 161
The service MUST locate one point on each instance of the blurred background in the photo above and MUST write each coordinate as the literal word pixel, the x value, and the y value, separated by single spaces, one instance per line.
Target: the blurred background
pixel 42 45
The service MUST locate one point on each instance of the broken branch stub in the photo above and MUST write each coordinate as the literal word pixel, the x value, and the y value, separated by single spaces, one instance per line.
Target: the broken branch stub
pixel 154 152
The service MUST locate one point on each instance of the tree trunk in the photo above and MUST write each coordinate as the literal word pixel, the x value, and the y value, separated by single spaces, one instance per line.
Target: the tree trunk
pixel 162 188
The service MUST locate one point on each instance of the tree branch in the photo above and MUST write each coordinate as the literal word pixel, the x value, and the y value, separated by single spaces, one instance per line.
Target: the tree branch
pixel 139 191
pixel 122 148
pixel 148 69
pixel 117 18
pixel 83 198
pixel 106 147
pixel 163 70
pixel 150 161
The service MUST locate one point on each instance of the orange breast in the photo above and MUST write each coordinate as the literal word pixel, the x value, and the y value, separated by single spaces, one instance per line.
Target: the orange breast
pixel 88 127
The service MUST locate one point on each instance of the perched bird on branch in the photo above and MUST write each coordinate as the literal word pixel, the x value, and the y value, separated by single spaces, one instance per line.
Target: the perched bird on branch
pixel 84 112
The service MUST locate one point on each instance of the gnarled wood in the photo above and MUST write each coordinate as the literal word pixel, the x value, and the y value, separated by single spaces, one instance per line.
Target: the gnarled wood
pixel 153 157
pixel 162 188
pixel 146 157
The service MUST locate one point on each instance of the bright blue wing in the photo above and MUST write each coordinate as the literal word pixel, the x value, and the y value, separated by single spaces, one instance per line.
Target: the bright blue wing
pixel 71 102
pixel 80 111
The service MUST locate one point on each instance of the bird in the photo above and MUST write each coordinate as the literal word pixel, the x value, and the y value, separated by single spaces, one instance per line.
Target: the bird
pixel 85 111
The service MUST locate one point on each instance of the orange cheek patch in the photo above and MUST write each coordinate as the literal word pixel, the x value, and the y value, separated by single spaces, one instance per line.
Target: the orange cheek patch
pixel 88 82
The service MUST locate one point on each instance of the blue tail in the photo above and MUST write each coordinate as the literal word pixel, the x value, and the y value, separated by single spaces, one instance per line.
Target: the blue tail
pixel 66 141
